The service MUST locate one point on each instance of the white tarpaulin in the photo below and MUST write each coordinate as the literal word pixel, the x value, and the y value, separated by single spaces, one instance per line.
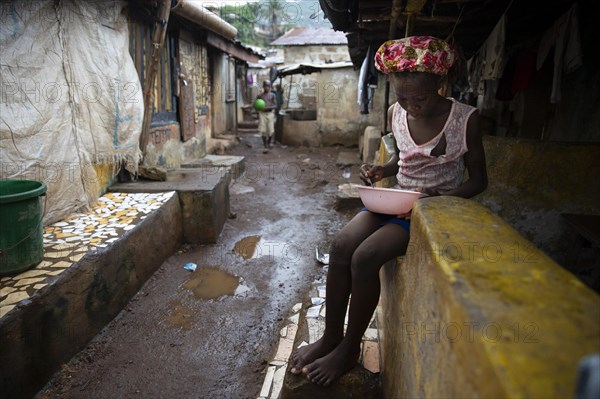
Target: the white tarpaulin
pixel 70 97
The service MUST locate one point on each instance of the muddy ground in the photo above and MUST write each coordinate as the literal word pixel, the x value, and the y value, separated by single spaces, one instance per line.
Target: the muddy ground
pixel 173 340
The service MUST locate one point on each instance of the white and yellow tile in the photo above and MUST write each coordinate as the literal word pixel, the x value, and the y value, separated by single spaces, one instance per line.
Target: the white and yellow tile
pixel 275 374
pixel 67 241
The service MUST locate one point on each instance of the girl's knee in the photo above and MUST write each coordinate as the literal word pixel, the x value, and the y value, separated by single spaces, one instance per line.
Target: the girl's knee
pixel 365 263
pixel 341 247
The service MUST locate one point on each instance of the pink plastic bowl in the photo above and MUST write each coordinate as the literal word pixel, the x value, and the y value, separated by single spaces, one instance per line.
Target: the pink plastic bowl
pixel 389 201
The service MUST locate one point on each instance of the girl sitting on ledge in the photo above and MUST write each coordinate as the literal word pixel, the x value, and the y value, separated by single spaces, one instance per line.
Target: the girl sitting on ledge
pixel 436 138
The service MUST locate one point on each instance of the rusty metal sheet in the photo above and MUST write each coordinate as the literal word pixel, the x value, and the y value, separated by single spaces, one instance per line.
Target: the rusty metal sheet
pixel 311 36
pixel 187 108
pixel 159 135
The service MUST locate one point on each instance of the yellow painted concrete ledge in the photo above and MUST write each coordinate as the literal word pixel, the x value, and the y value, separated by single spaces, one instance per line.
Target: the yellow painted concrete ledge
pixel 475 310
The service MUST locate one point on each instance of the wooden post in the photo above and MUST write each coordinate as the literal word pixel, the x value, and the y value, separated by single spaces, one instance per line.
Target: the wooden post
pixel 410 19
pixel 290 91
pixel 396 6
pixel 410 22
pixel 152 64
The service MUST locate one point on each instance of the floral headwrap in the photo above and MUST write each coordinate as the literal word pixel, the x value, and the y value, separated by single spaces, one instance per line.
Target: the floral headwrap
pixel 415 54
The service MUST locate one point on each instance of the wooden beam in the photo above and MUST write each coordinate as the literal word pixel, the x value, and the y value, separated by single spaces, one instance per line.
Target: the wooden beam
pixel 396 10
pixel 456 1
pixel 395 19
pixel 158 40
pixel 439 19
pixel 410 23
pixel 414 6
pixel 230 48
pixel 368 5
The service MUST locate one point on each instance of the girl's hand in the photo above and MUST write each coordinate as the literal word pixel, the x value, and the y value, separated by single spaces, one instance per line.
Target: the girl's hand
pixel 431 192
pixel 405 215
pixel 371 174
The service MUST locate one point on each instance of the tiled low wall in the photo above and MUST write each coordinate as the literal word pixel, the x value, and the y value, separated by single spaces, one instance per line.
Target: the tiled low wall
pixel 93 264
pixel 475 310
pixel 203 196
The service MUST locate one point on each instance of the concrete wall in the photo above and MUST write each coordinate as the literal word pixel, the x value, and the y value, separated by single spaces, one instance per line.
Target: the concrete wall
pixel 531 183
pixel 105 175
pixel 316 54
pixel 333 93
pixel 164 147
pixel 338 114
pixel 298 87
pixel 474 311
pixel 577 117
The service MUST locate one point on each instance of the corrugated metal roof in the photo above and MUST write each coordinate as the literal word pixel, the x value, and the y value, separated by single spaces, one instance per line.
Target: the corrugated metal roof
pixel 309 67
pixel 310 36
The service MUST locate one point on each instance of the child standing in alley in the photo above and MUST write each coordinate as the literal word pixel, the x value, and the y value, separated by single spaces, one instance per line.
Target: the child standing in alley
pixel 436 139
pixel 266 116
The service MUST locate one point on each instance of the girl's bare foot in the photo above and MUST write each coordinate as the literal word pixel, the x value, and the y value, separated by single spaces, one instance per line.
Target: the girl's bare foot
pixel 307 354
pixel 330 367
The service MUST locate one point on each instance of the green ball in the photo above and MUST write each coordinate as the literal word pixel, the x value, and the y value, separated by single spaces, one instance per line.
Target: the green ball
pixel 260 104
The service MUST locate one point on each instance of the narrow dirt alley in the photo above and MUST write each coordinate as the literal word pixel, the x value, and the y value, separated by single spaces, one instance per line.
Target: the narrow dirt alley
pixel 208 334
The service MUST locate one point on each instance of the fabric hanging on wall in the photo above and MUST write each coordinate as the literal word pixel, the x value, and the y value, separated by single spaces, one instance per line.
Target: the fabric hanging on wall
pixel 71 97
pixel 362 78
pixel 458 75
pixel 488 63
pixel 475 66
pixel 367 81
pixel 493 53
pixel 504 92
pixel 564 36
pixel 524 71
pixel 489 96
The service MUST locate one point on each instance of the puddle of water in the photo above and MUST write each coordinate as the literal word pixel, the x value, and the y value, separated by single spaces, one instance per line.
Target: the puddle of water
pixel 246 247
pixel 252 247
pixel 209 283
pixel 180 315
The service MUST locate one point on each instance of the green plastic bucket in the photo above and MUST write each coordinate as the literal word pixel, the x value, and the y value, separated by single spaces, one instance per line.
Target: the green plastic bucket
pixel 21 230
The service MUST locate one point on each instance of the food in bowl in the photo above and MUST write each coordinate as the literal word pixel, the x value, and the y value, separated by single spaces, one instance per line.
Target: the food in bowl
pixel 389 201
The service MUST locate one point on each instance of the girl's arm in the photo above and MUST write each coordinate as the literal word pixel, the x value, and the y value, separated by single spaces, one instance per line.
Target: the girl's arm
pixel 474 161
pixel 391 166
pixel 372 174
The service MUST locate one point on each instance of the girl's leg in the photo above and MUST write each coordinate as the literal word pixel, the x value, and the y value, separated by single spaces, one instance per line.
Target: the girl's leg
pixel 338 288
pixel 383 245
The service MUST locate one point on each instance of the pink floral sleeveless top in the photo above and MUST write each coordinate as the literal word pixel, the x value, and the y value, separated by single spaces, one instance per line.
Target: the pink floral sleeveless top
pixel 417 167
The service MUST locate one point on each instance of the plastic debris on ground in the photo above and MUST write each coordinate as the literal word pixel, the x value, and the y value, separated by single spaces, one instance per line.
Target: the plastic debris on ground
pixel 321 290
pixel 190 266
pixel 313 311
pixel 321 257
pixel 317 301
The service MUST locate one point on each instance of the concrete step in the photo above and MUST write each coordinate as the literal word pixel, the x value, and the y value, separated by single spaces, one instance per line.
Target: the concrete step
pixel 203 195
pixel 252 124
pixel 358 383
pixel 348 158
pixel 235 165
pixel 347 197
pixel 361 382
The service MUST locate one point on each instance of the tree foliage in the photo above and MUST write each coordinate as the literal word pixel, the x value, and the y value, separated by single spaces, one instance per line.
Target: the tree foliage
pixel 258 23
